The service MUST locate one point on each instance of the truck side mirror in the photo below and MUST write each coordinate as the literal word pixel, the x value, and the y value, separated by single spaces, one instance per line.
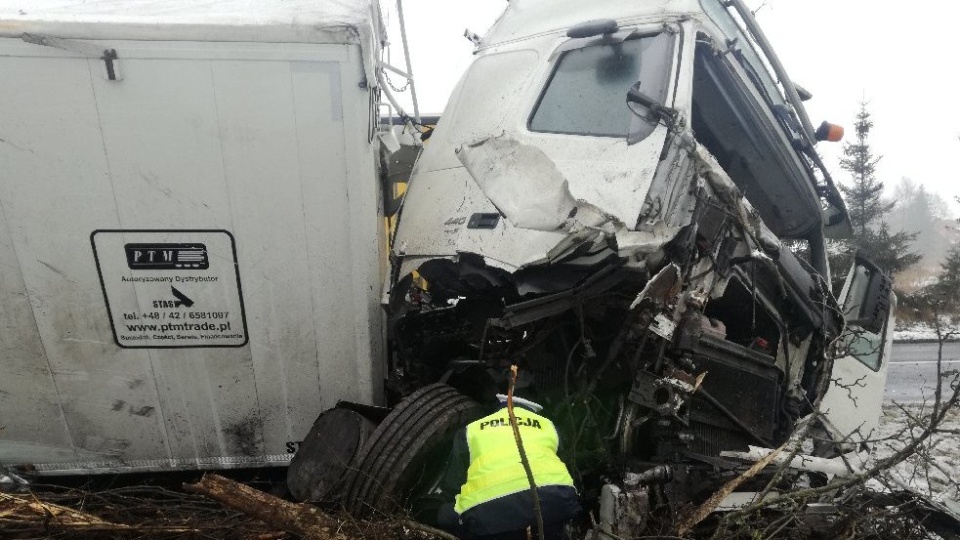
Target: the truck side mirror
pixel 399 152
pixel 867 302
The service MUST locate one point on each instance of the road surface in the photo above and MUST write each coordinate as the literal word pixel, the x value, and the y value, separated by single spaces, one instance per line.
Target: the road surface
pixel 913 370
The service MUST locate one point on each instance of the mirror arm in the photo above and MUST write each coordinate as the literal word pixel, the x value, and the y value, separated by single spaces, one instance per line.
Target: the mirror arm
pixel 634 95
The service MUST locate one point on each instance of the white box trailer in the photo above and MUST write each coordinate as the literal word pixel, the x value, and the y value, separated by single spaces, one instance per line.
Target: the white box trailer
pixel 191 245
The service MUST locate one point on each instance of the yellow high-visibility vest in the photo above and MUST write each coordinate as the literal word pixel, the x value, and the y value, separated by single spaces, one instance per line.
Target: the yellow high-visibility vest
pixel 495 467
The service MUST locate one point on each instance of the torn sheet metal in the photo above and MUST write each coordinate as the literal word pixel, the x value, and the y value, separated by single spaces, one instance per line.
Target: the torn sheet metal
pixel 435 222
pixel 661 288
pixel 527 187
pixel 530 191
pixel 727 192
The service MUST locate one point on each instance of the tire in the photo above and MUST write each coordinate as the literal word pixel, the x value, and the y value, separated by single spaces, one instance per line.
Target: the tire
pixel 407 452
pixel 319 468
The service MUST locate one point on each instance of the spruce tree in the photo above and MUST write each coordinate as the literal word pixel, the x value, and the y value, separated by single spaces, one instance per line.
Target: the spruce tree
pixel 890 251
pixel 946 291
pixel 947 288
pixel 864 196
pixel 865 204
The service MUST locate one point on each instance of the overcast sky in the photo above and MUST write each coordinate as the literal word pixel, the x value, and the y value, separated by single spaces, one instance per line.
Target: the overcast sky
pixel 897 56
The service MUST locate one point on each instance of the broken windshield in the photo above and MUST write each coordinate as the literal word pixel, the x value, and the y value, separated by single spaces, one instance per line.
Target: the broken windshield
pixel 586 92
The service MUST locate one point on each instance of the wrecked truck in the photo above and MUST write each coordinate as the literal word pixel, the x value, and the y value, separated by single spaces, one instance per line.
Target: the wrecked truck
pixel 611 201
pixel 624 200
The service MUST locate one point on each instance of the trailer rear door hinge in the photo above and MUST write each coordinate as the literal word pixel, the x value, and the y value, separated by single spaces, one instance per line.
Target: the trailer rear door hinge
pixel 111 63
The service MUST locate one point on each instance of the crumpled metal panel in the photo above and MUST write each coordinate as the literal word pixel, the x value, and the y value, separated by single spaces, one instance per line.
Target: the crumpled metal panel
pixel 527 187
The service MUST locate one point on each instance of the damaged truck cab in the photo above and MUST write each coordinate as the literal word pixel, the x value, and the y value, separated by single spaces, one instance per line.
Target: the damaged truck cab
pixel 624 200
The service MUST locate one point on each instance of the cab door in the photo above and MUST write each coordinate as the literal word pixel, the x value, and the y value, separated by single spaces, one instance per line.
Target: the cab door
pixel 852 405
pixel 607 149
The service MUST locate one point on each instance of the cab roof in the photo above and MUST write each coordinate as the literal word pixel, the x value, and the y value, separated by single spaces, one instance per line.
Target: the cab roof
pixel 525 18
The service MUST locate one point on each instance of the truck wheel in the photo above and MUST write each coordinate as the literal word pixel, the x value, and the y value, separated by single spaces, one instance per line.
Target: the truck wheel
pixel 319 467
pixel 406 454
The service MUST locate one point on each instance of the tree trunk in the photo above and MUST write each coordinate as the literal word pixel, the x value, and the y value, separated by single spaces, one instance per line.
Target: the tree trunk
pixel 300 519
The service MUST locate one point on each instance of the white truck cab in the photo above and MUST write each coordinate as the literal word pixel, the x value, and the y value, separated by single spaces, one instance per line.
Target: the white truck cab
pixel 625 200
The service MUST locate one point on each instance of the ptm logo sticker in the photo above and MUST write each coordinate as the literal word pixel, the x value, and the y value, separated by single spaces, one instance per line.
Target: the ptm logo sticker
pixel 171 288
pixel 167 256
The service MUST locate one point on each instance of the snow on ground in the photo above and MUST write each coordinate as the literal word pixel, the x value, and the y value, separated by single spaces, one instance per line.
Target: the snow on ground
pixel 935 468
pixel 920 331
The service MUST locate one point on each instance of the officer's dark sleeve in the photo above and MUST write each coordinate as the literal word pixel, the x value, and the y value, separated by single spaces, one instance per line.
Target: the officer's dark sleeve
pixel 455 473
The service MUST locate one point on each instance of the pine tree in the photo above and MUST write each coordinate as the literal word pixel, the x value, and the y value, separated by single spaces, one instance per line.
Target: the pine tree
pixel 864 196
pixel 891 252
pixel 947 289
pixel 867 209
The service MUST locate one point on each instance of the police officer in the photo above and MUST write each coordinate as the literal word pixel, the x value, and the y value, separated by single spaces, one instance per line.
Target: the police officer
pixel 493 499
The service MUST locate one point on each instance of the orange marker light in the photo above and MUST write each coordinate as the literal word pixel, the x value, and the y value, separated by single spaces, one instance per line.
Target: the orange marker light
pixel 829 132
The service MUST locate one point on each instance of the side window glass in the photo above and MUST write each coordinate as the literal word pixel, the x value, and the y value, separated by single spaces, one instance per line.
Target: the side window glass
pixel 866 308
pixel 586 94
pixel 866 347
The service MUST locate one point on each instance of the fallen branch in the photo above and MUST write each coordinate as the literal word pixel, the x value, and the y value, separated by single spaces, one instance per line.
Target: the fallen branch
pixel 429 530
pixel 29 508
pixel 691 520
pixel 301 519
pixel 19 509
